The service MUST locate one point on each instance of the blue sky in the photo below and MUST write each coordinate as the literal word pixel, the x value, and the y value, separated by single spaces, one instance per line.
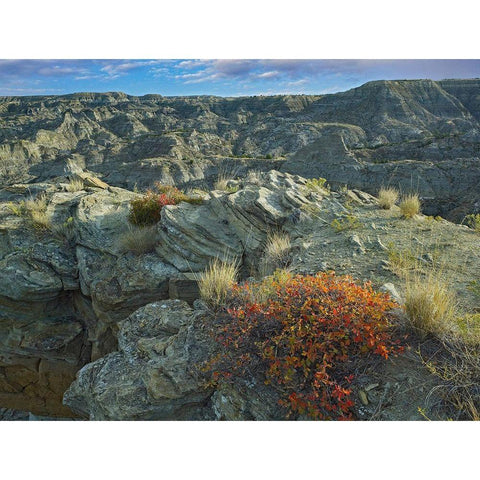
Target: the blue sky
pixel 216 77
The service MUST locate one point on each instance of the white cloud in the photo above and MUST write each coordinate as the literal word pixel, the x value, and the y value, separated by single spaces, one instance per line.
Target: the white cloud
pixel 270 74
pixel 114 69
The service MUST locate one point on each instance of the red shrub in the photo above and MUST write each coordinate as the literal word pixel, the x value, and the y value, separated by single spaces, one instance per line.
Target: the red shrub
pixel 305 339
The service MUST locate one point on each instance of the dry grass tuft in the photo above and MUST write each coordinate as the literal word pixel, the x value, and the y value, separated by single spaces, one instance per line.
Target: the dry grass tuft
pixel 430 304
pixel 138 240
pixel 75 185
pixel 40 220
pixel 457 365
pixel 65 231
pixel 387 197
pixel 410 205
pixel 38 204
pixel 276 254
pixel 402 260
pixel 216 281
pixel 221 183
pixel 35 209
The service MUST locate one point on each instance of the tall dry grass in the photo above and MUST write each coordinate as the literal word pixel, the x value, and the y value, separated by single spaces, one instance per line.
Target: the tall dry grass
pixel 387 197
pixel 36 210
pixel 138 240
pixel 430 303
pixel 277 253
pixel 221 183
pixel 75 185
pixel 410 205
pixel 216 281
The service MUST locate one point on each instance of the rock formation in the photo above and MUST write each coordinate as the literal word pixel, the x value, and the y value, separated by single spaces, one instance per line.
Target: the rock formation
pixel 65 288
pixel 417 135
pixel 121 333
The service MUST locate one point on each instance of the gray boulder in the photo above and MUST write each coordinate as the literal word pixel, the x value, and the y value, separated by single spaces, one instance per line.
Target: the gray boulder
pixel 154 375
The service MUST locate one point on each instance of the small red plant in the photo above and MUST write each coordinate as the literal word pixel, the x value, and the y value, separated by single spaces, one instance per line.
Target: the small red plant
pixel 305 339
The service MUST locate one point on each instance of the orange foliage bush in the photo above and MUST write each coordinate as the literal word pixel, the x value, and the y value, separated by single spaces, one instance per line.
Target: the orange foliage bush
pixel 305 339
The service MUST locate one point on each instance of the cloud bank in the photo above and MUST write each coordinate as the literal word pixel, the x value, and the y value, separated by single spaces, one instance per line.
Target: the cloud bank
pixel 217 77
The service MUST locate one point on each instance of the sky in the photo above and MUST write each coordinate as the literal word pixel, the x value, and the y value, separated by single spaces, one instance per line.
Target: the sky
pixel 216 77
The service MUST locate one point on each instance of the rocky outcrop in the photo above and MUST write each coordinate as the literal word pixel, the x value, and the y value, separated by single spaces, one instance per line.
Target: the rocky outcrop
pixel 230 226
pixel 417 134
pixel 63 289
pixel 157 374
pixel 447 187
pixel 66 286
pixel 154 375
pixel 74 304
pixel 42 342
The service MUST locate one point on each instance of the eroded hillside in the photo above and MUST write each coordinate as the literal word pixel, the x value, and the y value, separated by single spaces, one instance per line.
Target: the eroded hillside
pixel 100 314
pixel 417 135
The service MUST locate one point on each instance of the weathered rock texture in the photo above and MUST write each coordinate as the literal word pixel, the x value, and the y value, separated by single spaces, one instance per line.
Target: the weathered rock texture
pixel 417 134
pixel 65 289
pixel 155 373
pixel 229 226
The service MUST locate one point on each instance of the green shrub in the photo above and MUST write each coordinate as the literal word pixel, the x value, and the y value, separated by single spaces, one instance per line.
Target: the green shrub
pixel 348 222
pixel 473 221
pixel 316 184
pixel 146 210
pixel 177 195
